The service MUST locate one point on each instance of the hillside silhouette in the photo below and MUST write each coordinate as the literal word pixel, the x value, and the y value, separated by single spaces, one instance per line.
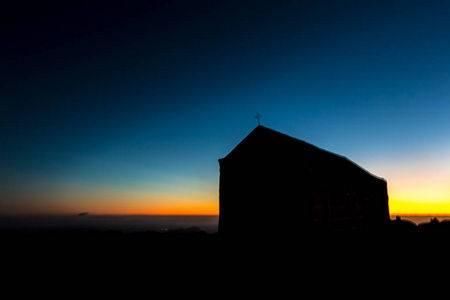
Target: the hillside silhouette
pixel 390 243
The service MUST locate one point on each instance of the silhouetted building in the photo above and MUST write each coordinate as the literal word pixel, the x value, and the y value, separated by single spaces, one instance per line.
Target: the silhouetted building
pixel 272 183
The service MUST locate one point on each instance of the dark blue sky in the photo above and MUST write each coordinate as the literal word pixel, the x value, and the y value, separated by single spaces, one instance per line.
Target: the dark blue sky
pixel 114 106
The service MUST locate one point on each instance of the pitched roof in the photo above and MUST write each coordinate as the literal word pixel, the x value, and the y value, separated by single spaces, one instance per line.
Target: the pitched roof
pixel 263 142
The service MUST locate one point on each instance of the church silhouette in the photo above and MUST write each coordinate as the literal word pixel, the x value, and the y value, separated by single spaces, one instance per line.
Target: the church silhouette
pixel 274 184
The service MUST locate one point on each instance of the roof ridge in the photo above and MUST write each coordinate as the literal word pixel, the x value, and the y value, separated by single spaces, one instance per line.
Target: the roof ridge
pixel 262 129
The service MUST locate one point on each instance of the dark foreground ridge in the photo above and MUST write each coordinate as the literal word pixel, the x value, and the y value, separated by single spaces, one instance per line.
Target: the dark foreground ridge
pixel 398 232
pixel 203 259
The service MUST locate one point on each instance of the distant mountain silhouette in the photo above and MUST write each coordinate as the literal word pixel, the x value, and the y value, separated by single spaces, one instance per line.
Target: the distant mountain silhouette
pixel 274 184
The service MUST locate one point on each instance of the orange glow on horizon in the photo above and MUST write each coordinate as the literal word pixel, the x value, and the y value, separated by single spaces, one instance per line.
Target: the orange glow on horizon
pixel 405 198
pixel 175 209
pixel 419 199
pixel 133 203
pixel 418 180
pixel 410 208
pixel 206 210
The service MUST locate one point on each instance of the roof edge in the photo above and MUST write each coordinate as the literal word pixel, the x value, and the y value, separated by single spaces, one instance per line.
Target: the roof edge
pixel 261 127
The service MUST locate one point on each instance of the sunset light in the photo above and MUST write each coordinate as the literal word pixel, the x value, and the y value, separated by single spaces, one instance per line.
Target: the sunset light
pixel 126 109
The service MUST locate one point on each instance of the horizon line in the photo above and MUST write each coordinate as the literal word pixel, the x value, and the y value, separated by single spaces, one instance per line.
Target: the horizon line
pixel 420 215
pixel 191 214
pixel 98 214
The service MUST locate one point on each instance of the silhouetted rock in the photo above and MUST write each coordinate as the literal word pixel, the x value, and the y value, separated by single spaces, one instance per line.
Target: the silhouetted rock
pixel 399 226
pixel 432 228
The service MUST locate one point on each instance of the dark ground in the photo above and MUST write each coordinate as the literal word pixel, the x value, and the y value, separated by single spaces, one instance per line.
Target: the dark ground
pixel 192 262
pixel 195 242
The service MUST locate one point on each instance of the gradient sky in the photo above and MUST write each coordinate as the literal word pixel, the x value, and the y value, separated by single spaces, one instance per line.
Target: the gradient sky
pixel 124 107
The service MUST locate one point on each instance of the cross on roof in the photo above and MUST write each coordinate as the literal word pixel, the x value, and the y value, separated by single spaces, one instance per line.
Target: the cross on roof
pixel 258 117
